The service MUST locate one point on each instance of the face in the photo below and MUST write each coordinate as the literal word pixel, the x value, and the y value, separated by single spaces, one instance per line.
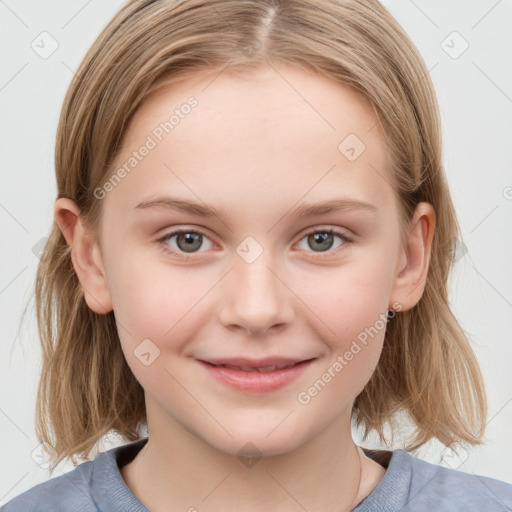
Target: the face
pixel 249 283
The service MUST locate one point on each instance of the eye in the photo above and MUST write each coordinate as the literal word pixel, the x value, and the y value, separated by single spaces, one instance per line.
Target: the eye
pixel 322 239
pixel 187 242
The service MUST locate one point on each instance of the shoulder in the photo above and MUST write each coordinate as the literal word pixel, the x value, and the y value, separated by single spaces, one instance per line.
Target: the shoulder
pixel 69 491
pixel 93 486
pixel 415 485
pixel 458 489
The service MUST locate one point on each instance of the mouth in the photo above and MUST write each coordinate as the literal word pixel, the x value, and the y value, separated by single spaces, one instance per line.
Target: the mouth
pixel 255 365
pixel 255 375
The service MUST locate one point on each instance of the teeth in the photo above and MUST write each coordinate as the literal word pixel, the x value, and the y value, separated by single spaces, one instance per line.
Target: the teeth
pixel 263 369
pixel 267 369
pixel 228 366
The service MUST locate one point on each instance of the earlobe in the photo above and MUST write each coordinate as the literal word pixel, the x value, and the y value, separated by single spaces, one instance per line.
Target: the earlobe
pixel 410 280
pixel 85 256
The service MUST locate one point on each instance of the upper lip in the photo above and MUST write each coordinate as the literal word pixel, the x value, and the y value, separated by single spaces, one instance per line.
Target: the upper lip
pixel 274 363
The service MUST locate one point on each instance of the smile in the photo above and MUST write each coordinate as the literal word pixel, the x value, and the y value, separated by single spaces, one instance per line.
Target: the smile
pixel 256 376
pixel 262 369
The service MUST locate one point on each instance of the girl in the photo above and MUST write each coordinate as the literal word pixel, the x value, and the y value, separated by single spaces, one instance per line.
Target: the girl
pixel 252 241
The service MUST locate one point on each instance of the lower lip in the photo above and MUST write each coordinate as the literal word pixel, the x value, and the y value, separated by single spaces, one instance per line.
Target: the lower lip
pixel 256 382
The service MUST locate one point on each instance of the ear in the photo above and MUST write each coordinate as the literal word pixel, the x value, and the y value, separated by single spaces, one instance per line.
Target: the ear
pixel 413 261
pixel 85 255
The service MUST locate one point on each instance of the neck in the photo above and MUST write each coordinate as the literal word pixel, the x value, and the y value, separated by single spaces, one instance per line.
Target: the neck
pixel 326 473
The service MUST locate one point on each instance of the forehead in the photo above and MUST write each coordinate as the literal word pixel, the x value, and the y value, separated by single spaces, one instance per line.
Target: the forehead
pixel 274 135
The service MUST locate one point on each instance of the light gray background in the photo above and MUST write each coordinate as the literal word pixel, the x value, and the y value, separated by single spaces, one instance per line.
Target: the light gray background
pixel 475 95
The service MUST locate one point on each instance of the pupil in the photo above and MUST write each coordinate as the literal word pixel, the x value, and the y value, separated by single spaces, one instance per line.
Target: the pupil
pixel 190 239
pixel 322 237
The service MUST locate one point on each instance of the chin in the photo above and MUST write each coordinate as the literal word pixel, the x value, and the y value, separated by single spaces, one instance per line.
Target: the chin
pixel 257 440
pixel 257 448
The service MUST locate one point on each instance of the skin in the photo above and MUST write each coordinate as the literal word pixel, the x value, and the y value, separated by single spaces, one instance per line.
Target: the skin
pixel 255 147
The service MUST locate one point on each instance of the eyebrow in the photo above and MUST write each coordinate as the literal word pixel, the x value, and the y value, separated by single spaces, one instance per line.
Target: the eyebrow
pixel 301 211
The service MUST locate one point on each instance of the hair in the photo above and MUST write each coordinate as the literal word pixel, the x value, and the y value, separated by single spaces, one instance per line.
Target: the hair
pixel 427 369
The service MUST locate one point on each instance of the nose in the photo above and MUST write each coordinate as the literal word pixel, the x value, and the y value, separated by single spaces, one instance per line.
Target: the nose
pixel 256 297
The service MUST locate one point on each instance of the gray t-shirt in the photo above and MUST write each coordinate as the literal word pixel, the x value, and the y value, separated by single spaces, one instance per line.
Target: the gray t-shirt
pixel 409 485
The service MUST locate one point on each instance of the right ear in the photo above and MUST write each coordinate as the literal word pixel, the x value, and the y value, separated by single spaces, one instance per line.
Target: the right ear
pixel 85 255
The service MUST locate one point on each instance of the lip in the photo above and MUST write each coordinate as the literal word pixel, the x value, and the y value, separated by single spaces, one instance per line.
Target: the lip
pixel 256 375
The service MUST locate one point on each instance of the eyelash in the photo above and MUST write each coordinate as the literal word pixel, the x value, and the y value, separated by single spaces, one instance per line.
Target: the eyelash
pixel 165 247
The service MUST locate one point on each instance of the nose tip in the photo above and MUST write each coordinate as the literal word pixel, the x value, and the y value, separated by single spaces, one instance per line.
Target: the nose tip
pixel 256 298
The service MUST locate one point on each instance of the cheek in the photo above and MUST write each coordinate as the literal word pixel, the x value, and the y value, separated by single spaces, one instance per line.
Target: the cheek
pixel 353 313
pixel 155 318
pixel 152 304
pixel 350 299
pixel 350 309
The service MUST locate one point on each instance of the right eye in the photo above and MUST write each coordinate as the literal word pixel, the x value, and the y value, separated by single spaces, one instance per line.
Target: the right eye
pixel 187 242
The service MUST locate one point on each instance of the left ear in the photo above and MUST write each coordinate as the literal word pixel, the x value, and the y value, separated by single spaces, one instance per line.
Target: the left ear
pixel 413 261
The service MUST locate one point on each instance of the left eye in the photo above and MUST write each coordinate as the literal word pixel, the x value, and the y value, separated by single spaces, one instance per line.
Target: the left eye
pixel 323 239
pixel 188 241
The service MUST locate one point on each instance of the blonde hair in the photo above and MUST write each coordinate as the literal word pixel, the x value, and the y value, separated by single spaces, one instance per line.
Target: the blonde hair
pixel 427 368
